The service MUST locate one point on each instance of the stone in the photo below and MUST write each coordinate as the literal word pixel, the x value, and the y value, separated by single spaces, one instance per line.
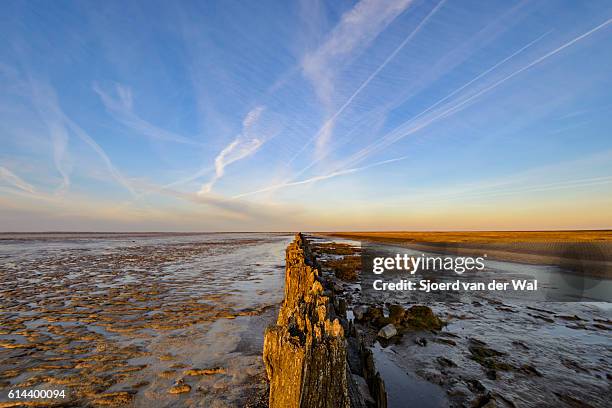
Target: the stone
pixel 359 312
pixel 374 313
pixel 396 313
pixel 388 331
pixel 421 317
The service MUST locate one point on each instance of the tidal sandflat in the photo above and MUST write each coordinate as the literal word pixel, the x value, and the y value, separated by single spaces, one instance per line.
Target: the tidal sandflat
pixel 118 319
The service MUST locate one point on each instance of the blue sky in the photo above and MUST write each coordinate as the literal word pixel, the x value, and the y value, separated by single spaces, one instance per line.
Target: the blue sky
pixel 275 115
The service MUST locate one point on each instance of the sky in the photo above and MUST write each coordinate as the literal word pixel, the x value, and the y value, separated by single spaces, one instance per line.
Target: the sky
pixel 305 115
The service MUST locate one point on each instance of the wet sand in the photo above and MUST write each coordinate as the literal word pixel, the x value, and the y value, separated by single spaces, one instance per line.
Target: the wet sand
pixel 154 320
pixel 493 349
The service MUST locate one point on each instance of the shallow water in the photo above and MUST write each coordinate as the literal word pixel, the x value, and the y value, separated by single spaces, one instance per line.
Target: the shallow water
pixel 119 317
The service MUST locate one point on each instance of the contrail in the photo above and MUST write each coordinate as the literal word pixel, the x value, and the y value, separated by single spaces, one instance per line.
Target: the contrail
pixel 115 173
pixel 483 73
pixel 319 178
pixel 489 70
pixel 385 142
pixel 329 121
pixel 560 185
pixel 15 180
pixel 366 151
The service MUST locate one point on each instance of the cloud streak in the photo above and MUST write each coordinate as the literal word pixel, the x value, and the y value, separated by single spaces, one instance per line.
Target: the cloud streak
pixel 319 178
pixel 410 127
pixel 58 125
pixel 324 133
pixel 16 181
pixel 243 146
pixel 45 101
pixel 356 30
pixel 121 107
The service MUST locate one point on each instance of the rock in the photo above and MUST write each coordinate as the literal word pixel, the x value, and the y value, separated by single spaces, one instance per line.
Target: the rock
pixel 396 313
pixel 341 307
pixel 421 341
pixel 490 404
pixel 570 318
pixel 520 344
pixel 359 312
pixel 491 374
pixel 388 331
pixel 422 318
pixel 374 313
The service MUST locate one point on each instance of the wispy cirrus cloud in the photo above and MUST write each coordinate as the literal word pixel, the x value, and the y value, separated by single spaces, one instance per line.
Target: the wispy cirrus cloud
pixel 121 107
pixel 44 99
pixel 429 116
pixel 322 177
pixel 452 103
pixel 356 29
pixel 14 180
pixel 244 145
pixel 60 127
pixel 322 136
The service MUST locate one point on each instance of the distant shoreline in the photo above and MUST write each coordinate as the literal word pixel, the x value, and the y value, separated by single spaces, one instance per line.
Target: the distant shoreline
pixel 405 236
pixel 51 235
pixel 586 252
pixel 479 236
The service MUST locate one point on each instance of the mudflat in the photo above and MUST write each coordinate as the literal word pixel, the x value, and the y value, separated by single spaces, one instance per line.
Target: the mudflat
pixel 479 349
pixel 138 319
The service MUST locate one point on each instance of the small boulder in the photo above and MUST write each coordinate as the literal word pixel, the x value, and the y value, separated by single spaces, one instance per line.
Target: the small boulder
pixel 359 312
pixel 374 313
pixel 388 331
pixel 421 341
pixel 422 318
pixel 396 313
